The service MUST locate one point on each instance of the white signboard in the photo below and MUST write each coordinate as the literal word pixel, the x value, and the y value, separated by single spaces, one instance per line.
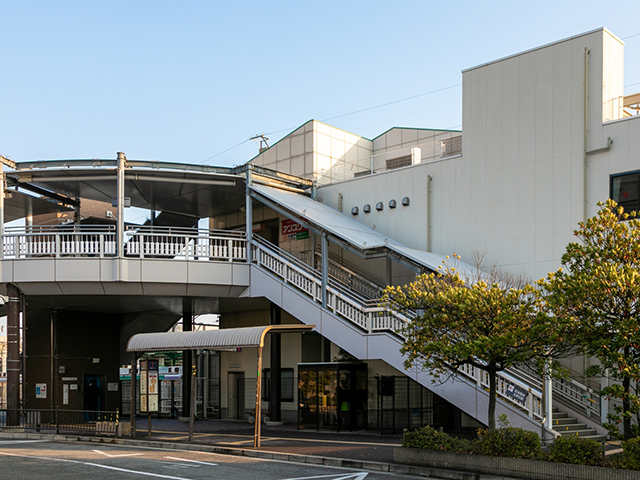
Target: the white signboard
pixel 153 403
pixel 41 390
pixel 112 386
pixel 65 394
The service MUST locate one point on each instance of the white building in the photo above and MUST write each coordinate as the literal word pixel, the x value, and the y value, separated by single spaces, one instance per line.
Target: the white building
pixel 328 218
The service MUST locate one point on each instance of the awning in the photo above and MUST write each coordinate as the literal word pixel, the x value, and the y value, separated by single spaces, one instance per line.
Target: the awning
pixel 223 339
pixel 227 338
pixel 348 230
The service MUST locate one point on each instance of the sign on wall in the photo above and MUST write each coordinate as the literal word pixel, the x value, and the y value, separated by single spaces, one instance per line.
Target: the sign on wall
pixel 516 393
pixel 293 231
pixel 41 390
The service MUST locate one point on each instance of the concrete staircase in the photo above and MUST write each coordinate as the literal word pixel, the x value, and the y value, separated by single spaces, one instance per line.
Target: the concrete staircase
pixel 565 426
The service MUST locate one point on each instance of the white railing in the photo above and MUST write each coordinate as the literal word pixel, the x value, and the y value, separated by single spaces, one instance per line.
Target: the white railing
pixel 141 242
pixel 200 244
pixel 59 241
pixel 185 243
pixel 379 319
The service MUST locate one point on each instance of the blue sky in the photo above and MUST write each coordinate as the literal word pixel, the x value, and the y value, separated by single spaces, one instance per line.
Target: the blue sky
pixel 184 81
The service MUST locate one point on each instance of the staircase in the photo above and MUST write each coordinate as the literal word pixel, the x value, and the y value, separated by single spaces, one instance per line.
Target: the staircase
pixel 565 426
pixel 353 320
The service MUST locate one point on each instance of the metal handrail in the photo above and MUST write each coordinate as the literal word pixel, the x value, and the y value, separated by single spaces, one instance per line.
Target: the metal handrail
pixel 343 304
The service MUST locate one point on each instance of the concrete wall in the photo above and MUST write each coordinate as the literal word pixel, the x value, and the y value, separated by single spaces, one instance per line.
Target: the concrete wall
pixel 516 194
pixel 79 339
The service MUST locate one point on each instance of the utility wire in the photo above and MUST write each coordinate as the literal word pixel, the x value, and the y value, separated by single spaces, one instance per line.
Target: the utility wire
pixel 630 36
pixel 392 103
pixel 224 151
pixel 375 106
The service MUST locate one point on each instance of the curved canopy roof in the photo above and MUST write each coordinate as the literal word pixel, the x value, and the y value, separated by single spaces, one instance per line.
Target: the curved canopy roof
pixel 224 339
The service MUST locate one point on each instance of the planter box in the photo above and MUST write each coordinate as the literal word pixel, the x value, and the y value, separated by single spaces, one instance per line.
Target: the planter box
pixel 509 467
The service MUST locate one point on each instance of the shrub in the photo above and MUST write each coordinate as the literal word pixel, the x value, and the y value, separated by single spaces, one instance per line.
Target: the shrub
pixel 574 449
pixel 431 439
pixel 510 442
pixel 629 459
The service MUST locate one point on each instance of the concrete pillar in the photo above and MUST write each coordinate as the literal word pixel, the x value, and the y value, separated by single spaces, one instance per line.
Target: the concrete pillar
pixel 275 404
pixel 13 355
pixel 187 326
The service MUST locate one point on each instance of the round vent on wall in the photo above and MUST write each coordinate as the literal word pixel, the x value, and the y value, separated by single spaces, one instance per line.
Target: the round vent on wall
pixel 392 204
pixel 354 211
pixel 379 206
pixel 405 202
pixel 366 208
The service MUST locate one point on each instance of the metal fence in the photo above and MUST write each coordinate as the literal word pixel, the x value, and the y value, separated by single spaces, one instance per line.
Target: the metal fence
pixel 60 421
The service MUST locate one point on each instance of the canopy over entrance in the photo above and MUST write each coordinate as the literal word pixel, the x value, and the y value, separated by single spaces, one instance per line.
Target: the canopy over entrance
pixel 225 339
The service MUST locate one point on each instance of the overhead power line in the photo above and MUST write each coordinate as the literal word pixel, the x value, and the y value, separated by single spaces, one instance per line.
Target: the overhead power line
pixel 342 115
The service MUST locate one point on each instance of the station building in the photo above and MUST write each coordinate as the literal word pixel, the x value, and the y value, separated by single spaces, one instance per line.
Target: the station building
pixel 309 232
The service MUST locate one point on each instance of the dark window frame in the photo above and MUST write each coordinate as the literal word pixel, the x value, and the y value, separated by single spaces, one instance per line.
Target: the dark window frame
pixel 266 385
pixel 628 205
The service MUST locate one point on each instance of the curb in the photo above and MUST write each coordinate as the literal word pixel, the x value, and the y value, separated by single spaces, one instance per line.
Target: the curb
pixel 263 454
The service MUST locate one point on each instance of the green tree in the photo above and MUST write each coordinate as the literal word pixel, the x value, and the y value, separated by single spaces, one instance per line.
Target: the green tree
pixel 487 319
pixel 598 289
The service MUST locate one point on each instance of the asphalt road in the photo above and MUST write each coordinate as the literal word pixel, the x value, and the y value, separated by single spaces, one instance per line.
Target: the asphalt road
pixel 32 460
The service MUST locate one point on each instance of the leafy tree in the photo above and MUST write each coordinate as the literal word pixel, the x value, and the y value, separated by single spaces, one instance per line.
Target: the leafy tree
pixel 598 289
pixel 487 319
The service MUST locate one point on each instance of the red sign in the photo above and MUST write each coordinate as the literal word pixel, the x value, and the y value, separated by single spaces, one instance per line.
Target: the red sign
pixel 293 231
pixel 289 226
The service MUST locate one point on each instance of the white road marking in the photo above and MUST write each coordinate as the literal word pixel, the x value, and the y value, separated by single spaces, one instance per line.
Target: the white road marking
pixel 349 476
pixel 119 455
pixel 95 465
pixel 193 461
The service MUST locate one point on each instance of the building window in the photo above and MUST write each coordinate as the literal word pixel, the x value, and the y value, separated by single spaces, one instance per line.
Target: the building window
pixel 625 189
pixel 286 385
pixel 398 162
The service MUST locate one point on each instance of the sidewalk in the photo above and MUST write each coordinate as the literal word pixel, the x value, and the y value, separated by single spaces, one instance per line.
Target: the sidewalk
pixel 366 445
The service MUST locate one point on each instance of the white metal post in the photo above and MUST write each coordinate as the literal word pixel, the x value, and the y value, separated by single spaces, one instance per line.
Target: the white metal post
pixel 249 212
pixel 120 234
pixel 548 388
pixel 325 268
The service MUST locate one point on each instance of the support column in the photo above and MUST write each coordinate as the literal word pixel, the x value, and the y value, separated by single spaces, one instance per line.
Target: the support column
pixel 258 416
pixel 275 404
pixel 389 270
pixel 120 226
pixel 187 326
pixel 325 268
pixel 134 388
pixel 249 212
pixel 13 355
pixel 548 393
pixel 2 187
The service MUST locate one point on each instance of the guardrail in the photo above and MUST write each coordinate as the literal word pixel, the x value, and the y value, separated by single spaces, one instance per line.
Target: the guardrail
pixel 59 241
pixel 56 420
pixel 142 242
pixel 185 243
